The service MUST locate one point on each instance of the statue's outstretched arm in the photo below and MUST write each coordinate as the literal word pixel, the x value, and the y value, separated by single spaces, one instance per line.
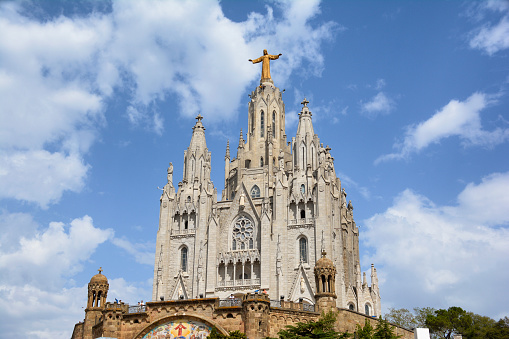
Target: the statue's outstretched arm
pixel 274 57
pixel 255 61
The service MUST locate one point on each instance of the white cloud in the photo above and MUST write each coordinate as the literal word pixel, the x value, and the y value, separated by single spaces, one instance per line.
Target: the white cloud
pixel 50 254
pixel 142 253
pixel 35 267
pixel 50 110
pixel 348 183
pixel 438 255
pixel 40 176
pixel 56 75
pixel 457 118
pixel 379 104
pixel 492 38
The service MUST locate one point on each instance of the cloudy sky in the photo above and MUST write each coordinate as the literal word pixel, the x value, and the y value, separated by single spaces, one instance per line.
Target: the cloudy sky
pixel 96 98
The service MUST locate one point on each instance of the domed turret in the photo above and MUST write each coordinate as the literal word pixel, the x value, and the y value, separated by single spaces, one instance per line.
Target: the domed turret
pixel 97 290
pixel 325 277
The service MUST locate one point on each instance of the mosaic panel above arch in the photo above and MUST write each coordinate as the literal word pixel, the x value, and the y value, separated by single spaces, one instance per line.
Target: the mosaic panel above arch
pixel 180 329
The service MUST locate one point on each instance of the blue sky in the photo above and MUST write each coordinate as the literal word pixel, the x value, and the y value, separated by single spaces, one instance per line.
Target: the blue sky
pixel 96 98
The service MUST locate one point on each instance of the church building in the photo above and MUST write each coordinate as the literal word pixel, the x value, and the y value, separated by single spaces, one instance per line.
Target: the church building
pixel 280 246
pixel 281 206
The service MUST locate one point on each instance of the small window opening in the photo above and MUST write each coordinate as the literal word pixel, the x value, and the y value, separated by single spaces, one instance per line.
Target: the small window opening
pixel 302 214
pixel 183 259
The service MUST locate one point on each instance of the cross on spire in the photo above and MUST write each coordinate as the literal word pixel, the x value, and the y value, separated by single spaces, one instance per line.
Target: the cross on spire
pixel 305 102
pixel 100 270
pixel 199 117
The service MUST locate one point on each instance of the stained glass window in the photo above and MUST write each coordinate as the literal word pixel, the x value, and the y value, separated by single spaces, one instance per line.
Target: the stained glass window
pixel 243 231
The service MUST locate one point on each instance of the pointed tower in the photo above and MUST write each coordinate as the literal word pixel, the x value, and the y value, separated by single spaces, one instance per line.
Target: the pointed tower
pixel 182 223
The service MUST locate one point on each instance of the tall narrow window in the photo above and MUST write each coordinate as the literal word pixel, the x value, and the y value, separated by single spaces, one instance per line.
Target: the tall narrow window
pixel 183 259
pixel 234 245
pixel 366 309
pixel 252 122
pixel 303 157
pixel 274 124
pixel 303 249
pixel 262 125
pixel 261 162
pixel 302 189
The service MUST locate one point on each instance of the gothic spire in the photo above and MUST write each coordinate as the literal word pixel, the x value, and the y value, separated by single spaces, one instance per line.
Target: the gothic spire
pixel 227 156
pixel 305 123
pixel 241 139
pixel 198 137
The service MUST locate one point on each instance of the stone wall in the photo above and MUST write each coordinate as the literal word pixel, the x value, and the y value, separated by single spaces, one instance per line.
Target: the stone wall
pixel 347 321
pixel 253 315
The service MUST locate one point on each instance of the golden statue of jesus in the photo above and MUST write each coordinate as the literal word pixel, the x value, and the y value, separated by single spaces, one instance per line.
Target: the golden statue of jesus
pixel 265 58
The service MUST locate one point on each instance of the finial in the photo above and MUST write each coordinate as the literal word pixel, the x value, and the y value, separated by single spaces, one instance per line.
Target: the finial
pixel 100 270
pixel 199 117
pixel 324 253
pixel 227 149
pixel 241 135
pixel 305 102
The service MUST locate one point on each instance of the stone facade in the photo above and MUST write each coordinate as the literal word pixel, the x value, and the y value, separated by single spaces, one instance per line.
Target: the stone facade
pixel 252 313
pixel 256 260
pixel 282 204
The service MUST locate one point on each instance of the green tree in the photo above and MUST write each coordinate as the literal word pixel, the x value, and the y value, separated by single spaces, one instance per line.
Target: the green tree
pixel 401 317
pixel 365 332
pixel 421 313
pixel 404 318
pixel 384 330
pixel 499 330
pixel 323 328
pixel 446 323
pixel 215 334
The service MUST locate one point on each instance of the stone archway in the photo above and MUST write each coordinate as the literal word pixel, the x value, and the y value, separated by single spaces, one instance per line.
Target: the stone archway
pixel 179 327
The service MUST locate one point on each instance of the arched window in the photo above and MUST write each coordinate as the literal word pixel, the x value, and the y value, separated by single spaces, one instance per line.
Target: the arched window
pixel 303 249
pixel 255 192
pixel 188 199
pixel 183 259
pixel 302 189
pixel 262 124
pixel 366 309
pixel 351 307
pixel 261 162
pixel 274 124
pixel 243 231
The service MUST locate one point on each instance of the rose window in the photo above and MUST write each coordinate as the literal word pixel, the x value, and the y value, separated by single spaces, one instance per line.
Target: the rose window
pixel 243 234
